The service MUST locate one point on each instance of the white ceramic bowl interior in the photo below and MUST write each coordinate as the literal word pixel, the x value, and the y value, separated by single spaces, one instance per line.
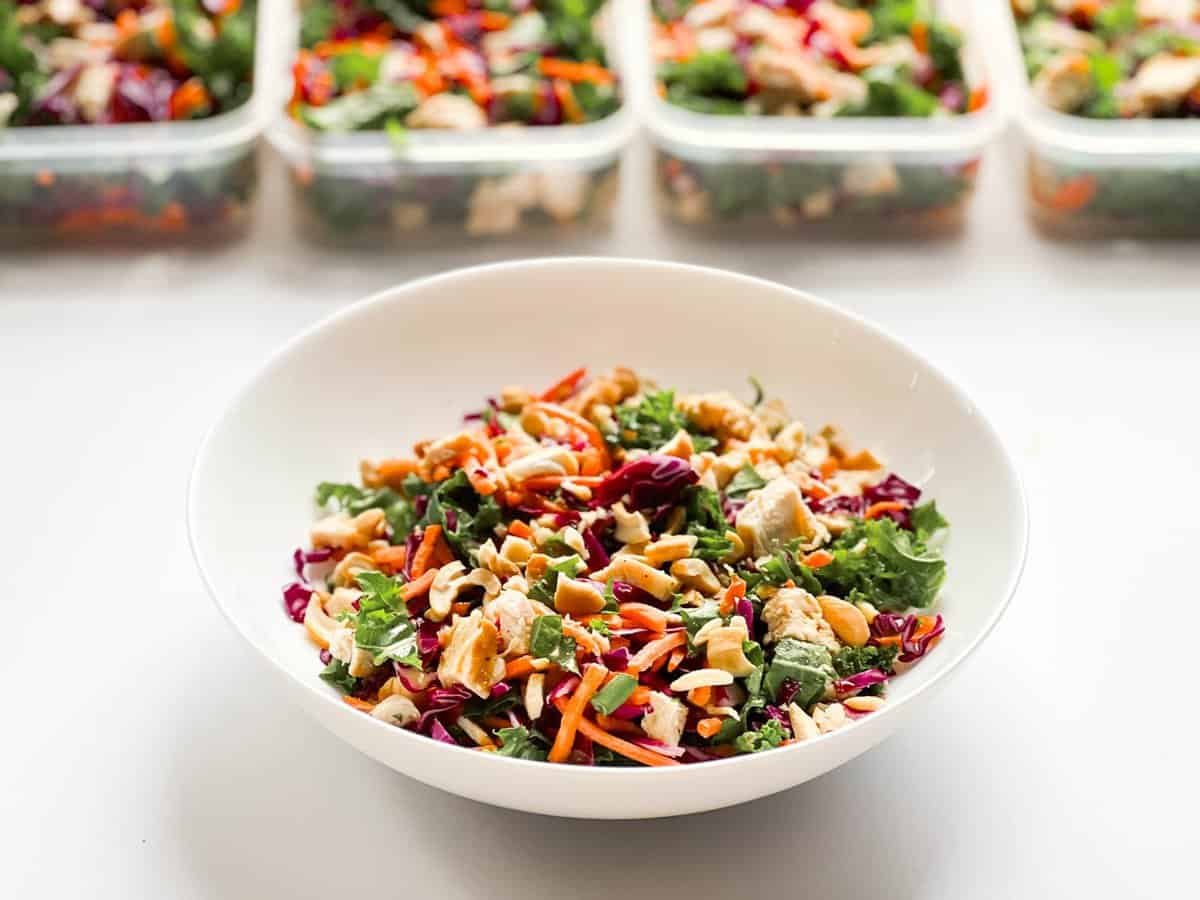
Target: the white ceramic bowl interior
pixel 405 364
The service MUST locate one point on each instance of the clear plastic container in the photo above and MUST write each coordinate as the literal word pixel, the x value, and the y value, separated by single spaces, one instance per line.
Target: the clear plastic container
pixel 162 179
pixel 890 176
pixel 1104 177
pixel 363 187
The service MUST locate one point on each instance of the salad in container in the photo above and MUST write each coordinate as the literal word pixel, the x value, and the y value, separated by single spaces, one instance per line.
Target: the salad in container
pixel 119 117
pixel 816 112
pixel 606 572
pixel 487 116
pixel 1112 111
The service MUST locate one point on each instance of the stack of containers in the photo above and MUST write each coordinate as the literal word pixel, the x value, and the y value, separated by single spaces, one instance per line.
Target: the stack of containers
pixel 772 170
pixel 1103 177
pixel 365 186
pixel 83 182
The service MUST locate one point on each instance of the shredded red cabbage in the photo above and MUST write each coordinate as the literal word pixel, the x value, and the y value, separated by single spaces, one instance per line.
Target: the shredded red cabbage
pixel 597 556
pixel 630 593
pixel 745 609
pixel 326 657
pixel 499 689
pixel 912 647
pixel 438 732
pixel 564 688
pixel 295 600
pixel 648 481
pixel 659 747
pixel 412 679
pixel 840 503
pixel 302 557
pixel 629 711
pixel 846 687
pixel 442 700
pixel 892 488
pixel 617 660
pixel 427 641
pixel 787 690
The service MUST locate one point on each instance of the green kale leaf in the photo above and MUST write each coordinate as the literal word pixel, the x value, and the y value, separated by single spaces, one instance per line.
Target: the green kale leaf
pixel 546 640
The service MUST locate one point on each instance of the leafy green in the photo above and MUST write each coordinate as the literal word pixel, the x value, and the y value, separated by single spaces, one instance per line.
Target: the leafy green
pixel 317 19
pixel 704 519
pixel 710 72
pixel 223 57
pixel 570 31
pixel 877 561
pixel 475 516
pixel 745 480
pixel 654 421
pixel 696 617
pixel 782 568
pixel 546 640
pixel 613 694
pixel 945 50
pixel 383 627
pixel 926 520
pixel 891 92
pixel 519 744
pixel 397 509
pixel 338 674
pixel 1116 18
pixel 363 110
pixel 544 588
pixel 599 626
pixel 809 665
pixel 895 18
pixel 352 67
pixel 770 735
pixel 852 660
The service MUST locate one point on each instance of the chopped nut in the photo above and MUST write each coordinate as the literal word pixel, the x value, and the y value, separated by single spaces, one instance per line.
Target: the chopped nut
pixel 450 582
pixel 671 548
pixel 681 445
pixel 535 695
pixel 577 598
pixel 863 704
pixel 491 560
pixel 846 619
pixel 513 614
pixel 696 574
pixel 515 549
pixel 725 648
pixel 342 532
pixel 632 527
pixel 829 717
pixel 396 710
pixel 637 573
pixel 346 572
pixel 803 727
pixel 702 678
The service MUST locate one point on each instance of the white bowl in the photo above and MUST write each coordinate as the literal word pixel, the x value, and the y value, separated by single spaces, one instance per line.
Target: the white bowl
pixel 405 364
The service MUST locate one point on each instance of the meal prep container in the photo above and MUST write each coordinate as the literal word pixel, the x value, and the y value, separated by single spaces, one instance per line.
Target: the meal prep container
pixel 364 186
pixel 1104 177
pixel 904 176
pixel 157 178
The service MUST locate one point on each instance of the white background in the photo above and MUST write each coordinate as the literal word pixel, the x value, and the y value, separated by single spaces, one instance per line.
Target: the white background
pixel 141 755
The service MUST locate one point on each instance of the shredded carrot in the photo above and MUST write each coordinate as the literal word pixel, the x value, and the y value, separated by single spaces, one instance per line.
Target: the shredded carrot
pixel 564 387
pixel 609 723
pixel 891 640
pixel 572 712
pixel 390 559
pixel 549 482
pixel 735 592
pixel 630 751
pixel 640 696
pixel 424 555
pixel 700 696
pixel 520 529
pixel 392 472
pixel 644 616
pixel 521 666
pixel 496 722
pixel 817 559
pixel 1074 194
pixel 875 510
pixel 676 657
pixel 569 70
pixel 480 480
pixel 641 660
pixel 828 467
pixel 817 491
pixel 919 32
pixel 363 705
pixel 554 411
pixel 418 586
pixel 706 728
pixel 924 625
pixel 461 608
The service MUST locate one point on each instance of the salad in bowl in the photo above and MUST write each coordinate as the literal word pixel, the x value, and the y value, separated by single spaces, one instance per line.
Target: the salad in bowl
pixel 607 572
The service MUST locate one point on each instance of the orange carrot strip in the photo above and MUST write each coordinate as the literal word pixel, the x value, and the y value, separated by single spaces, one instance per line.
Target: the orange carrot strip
pixel 875 510
pixel 641 660
pixel 424 554
pixel 675 658
pixel 735 592
pixel 496 722
pixel 919 32
pixel 520 529
pixel 595 438
pixel 572 713
pixel 390 559
pixel 817 559
pixel 891 640
pixel 363 705
pixel 644 615
pixel 978 98
pixel 1074 194
pixel 829 467
pixel 640 696
pixel 392 472
pixel 522 665
pixel 569 70
pixel 706 728
pixel 700 696
pixel 630 751
pixel 418 586
pixel 461 608
pixel 564 387
pixel 608 723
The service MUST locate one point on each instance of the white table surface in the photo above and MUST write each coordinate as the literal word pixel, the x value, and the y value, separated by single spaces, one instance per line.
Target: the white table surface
pixel 140 758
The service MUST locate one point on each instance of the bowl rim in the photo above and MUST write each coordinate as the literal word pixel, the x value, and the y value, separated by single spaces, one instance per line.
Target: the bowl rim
pixel 405 293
